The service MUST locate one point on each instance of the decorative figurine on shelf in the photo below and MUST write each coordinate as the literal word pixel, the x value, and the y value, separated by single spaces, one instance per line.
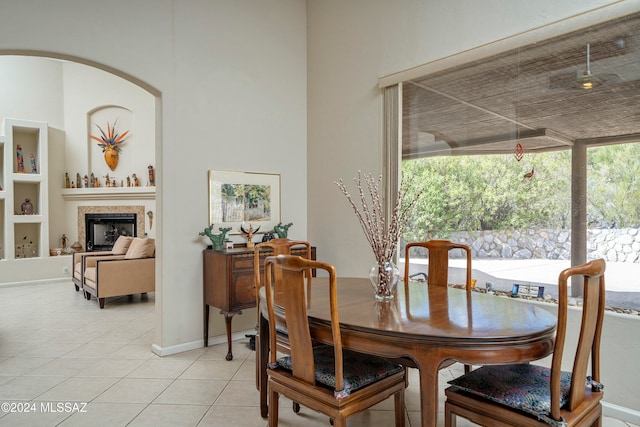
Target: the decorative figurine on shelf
pixel 67 183
pixel 128 181
pixel 86 181
pixel 20 158
pixel 34 167
pixel 107 181
pixel 136 182
pixel 152 176
pixel 96 182
pixel 217 240
pixel 92 180
pixel 249 232
pixel 64 242
pixel 26 207
pixel 78 181
pixel 282 230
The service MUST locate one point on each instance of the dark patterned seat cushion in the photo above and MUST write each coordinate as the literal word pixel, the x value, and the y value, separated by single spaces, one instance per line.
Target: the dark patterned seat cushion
pixel 522 386
pixel 359 369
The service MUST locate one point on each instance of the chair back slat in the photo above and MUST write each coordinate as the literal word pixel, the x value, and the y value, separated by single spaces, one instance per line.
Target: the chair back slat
pixel 588 346
pixel 279 246
pixel 438 268
pixel 293 305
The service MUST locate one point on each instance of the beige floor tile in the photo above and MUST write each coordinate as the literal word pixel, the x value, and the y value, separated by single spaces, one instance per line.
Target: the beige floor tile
pixel 134 390
pixel 21 365
pixel 50 349
pixel 240 393
pixel 247 371
pixel 170 416
pixel 227 416
pixel 12 348
pixel 61 367
pixel 78 389
pixel 117 368
pixel 195 392
pixel 100 414
pixel 27 388
pixel 33 419
pixel 133 350
pixel 94 350
pixel 160 368
pixel 212 369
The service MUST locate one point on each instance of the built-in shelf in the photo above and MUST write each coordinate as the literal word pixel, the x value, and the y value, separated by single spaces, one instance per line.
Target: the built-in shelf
pixel 109 193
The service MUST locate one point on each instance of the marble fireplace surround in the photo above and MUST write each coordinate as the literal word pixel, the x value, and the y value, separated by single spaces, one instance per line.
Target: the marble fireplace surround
pixel 83 210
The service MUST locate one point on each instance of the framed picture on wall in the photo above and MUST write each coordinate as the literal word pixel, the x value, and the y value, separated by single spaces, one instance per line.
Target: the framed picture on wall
pixel 244 198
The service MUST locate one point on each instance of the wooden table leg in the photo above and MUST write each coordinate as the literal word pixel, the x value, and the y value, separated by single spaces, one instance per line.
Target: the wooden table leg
pixel 428 369
pixel 263 357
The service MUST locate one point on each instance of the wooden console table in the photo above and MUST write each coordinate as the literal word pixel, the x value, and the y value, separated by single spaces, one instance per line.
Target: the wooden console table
pixel 228 283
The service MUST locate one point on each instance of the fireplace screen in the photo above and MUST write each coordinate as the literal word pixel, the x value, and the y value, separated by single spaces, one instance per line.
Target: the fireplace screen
pixel 102 230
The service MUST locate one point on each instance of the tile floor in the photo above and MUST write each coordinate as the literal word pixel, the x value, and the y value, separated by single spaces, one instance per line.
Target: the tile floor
pixel 71 364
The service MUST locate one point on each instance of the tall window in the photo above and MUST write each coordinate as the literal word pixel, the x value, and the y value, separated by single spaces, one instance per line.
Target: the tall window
pixel 493 141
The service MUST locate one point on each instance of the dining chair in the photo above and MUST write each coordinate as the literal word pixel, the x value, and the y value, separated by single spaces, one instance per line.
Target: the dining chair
pixel 438 268
pixel 279 246
pixel 531 395
pixel 325 378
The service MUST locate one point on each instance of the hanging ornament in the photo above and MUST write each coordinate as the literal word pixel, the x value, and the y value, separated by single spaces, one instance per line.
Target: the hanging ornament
pixel 529 175
pixel 518 152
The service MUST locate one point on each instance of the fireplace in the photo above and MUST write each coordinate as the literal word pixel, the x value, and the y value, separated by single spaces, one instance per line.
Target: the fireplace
pixel 103 229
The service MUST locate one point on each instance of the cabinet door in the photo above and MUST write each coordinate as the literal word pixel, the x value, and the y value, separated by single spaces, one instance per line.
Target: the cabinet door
pixel 243 290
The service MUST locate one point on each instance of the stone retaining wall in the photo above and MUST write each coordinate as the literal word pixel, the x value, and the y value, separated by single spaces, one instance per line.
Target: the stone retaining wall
pixel 621 245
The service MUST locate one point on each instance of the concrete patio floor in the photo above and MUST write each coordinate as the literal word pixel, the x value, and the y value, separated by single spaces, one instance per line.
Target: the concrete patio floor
pixel 622 280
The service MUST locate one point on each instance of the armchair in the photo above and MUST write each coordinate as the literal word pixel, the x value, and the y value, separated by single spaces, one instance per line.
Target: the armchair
pixel 120 247
pixel 116 275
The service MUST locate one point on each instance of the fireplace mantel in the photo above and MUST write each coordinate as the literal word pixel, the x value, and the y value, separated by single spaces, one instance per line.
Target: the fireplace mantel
pixel 109 193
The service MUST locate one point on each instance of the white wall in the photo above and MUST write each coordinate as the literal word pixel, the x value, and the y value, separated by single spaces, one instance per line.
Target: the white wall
pixel 230 78
pixel 31 89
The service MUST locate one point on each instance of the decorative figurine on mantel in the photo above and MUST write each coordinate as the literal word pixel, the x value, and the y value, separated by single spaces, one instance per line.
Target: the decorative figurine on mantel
pixel 249 232
pixel 78 181
pixel 152 176
pixel 282 230
pixel 217 240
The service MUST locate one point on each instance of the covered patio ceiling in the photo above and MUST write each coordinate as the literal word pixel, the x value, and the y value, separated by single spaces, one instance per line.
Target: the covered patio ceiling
pixel 533 95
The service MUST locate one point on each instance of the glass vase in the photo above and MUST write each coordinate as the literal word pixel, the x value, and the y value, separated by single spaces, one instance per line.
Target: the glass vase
pixel 384 278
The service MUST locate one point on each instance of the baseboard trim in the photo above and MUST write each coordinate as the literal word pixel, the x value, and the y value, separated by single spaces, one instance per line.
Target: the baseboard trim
pixel 621 413
pixel 37 282
pixel 179 348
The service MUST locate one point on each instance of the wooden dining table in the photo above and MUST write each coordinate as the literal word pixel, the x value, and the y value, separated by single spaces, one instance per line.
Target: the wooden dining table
pixel 423 327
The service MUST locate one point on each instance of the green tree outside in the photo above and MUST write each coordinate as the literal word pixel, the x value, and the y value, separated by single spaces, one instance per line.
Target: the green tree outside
pixel 491 192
